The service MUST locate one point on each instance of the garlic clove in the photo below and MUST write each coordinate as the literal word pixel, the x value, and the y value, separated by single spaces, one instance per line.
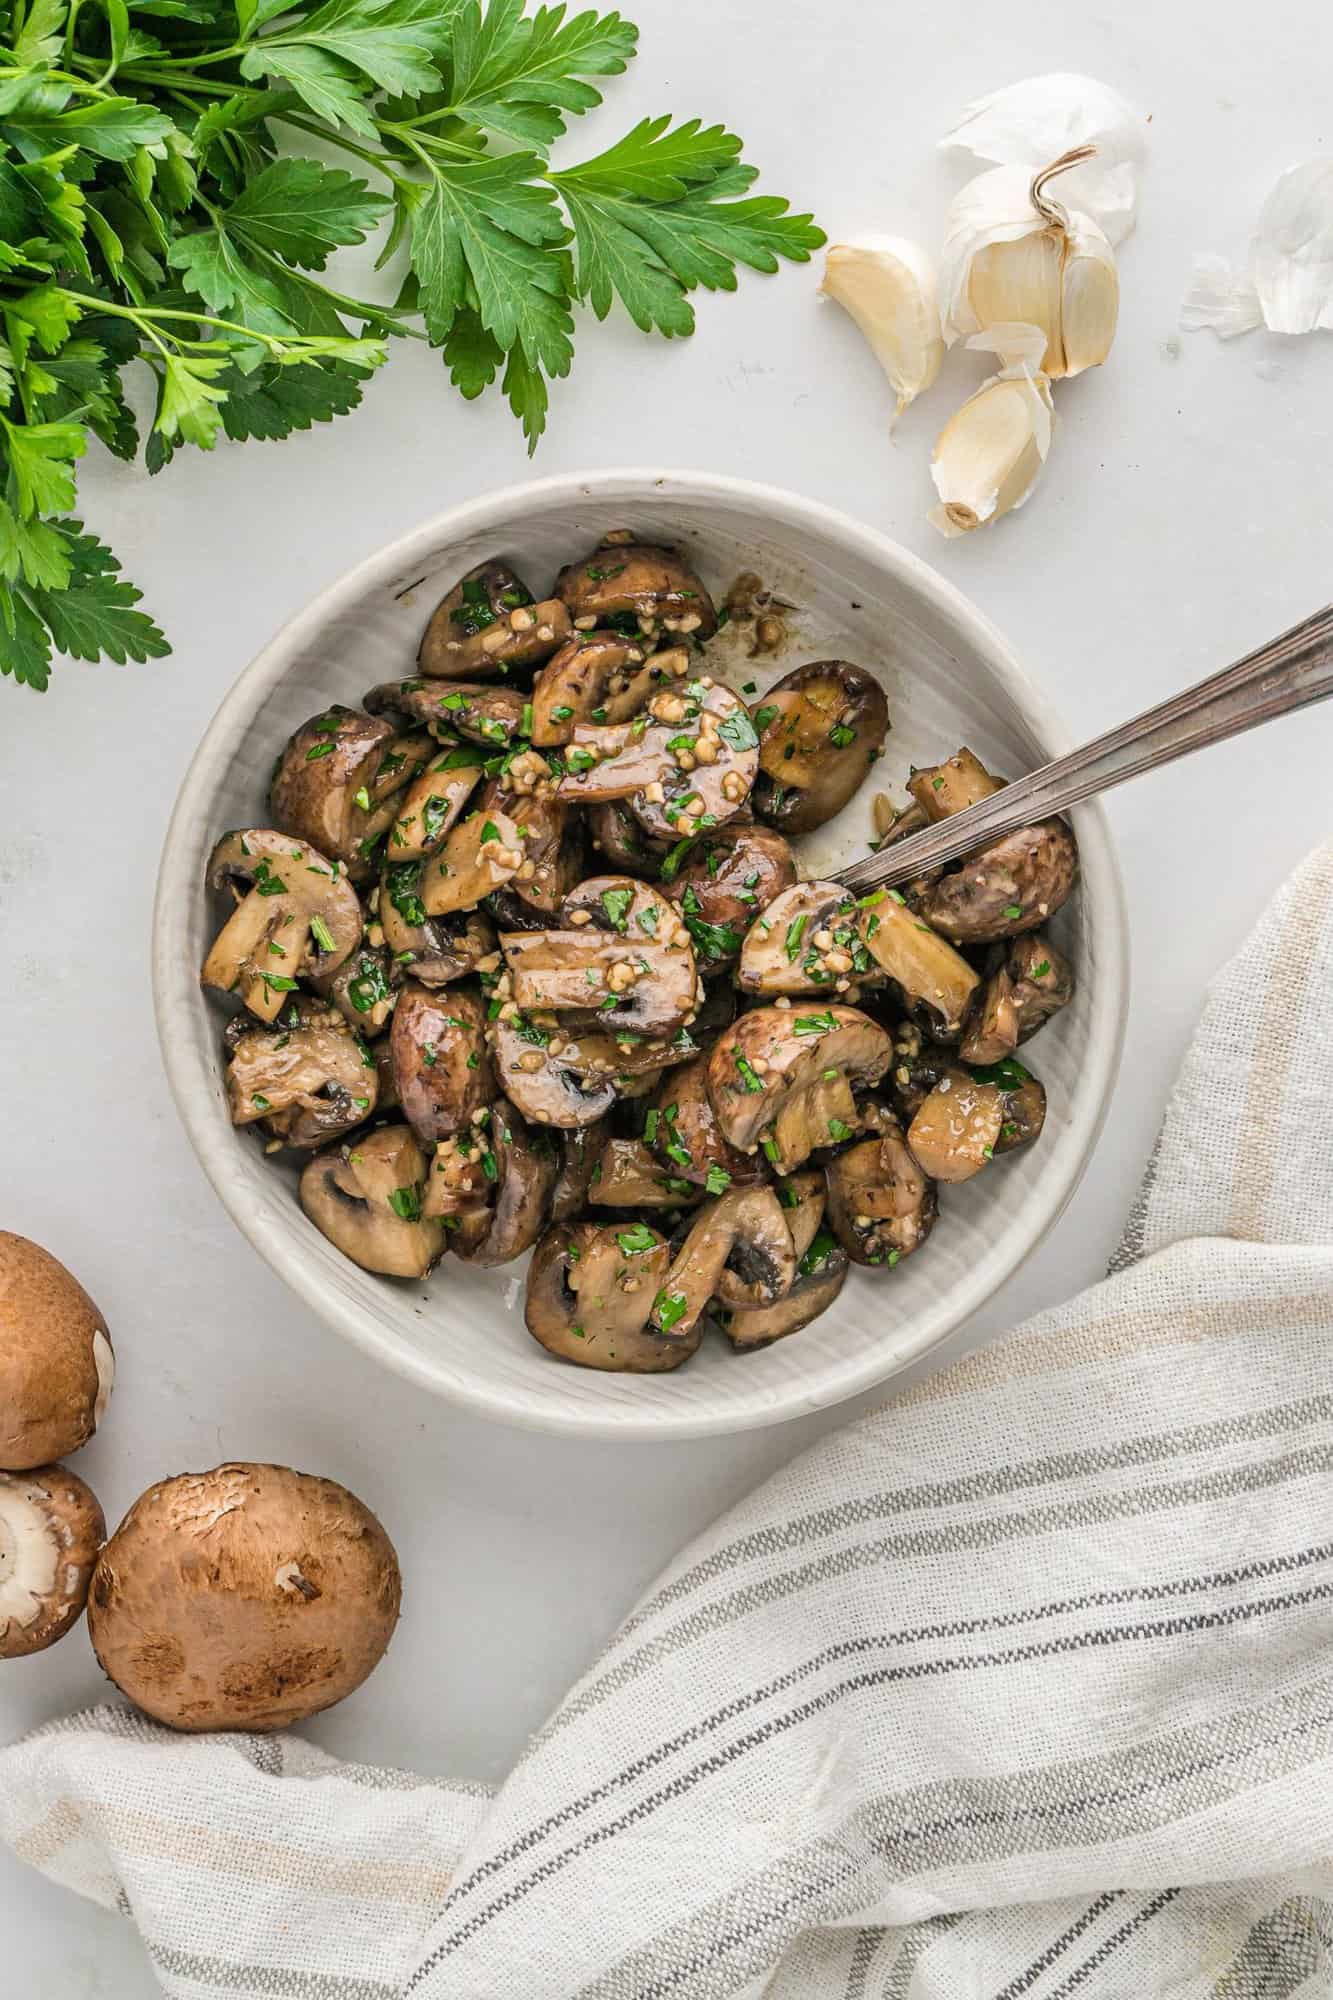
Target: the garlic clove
pixel 1089 299
pixel 989 456
pixel 1220 299
pixel 1023 281
pixel 1029 122
pixel 887 285
pixel 993 208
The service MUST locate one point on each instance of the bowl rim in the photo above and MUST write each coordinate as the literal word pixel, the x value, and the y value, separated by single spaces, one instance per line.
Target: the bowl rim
pixel 174 986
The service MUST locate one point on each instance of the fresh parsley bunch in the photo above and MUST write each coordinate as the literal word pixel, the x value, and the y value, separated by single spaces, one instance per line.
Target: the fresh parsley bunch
pixel 147 216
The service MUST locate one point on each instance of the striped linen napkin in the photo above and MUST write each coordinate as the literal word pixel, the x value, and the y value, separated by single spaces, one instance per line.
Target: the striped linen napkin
pixel 1020 1688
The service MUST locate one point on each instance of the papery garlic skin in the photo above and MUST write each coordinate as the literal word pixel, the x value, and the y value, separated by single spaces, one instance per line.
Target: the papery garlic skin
pixel 989 456
pixel 1291 259
pixel 1005 260
pixel 1220 299
pixel 887 285
pixel 1032 121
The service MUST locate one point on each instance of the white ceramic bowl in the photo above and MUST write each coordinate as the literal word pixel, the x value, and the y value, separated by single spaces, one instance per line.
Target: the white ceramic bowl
pixel 950 679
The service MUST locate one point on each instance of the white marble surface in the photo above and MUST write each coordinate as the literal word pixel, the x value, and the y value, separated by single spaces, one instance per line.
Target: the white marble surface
pixel 1185 515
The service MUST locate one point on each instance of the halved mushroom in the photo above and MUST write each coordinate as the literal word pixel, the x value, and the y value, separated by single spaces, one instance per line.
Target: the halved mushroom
pixel 599 677
pixel 960 781
pixel 808 940
pixel 433 950
pixel 820 729
pixel 881 1205
pixel 1027 982
pixel 725 883
pixel 490 715
pixel 482 854
pixel 590 1289
pixel 1022 1100
pixel 686 762
pixel 743 1235
pixel 632 584
pixel 51 1531
pixel 518 1168
pixel 1011 886
pixel 554 850
pixel 580 1155
pixel 431 805
pixel 301 916
pixel 682 1129
pixel 366 1198
pixel 440 1060
pixel 627 1176
pixel 787 1077
pixel 648 989
pixel 338 779
pixel 543 1086
pixel 488 625
pixel 956 1131
pixel 305 1083
pixel 360 989
pixel 617 834
pixel 930 974
pixel 812 1293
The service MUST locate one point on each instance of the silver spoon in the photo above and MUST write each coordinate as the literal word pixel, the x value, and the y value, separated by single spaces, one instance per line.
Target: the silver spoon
pixel 1290 672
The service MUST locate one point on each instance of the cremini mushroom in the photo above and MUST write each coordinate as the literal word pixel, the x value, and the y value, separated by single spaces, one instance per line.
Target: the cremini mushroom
pixel 956 1130
pixel 555 848
pixel 682 1129
pixel 637 586
pixel 337 783
pixel 962 780
pixel 361 990
pixel 725 883
pixel 483 853
pixel 685 763
pixel 57 1369
pixel 366 1198
pixel 620 983
pixel 432 804
pixel 1026 983
pixel 617 834
pixel 433 950
pixel 543 1085
pixel 820 729
pixel 881 1205
pixel 301 916
pixel 441 1063
pixel 813 1292
pixel 51 1529
pixel 742 1235
pixel 808 940
pixel 929 973
pixel 579 1159
pixel 599 677
pixel 519 1166
pixel 590 1290
pixel 491 716
pixel 248 1597
pixel 628 1175
pixel 306 1079
pixel 1011 886
pixel 488 626
pixel 783 1079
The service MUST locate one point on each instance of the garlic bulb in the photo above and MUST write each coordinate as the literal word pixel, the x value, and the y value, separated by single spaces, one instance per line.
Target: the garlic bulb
pixel 989 455
pixel 1028 122
pixel 887 284
pixel 1012 253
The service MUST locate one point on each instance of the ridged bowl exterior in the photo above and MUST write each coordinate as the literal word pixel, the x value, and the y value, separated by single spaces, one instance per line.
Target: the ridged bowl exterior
pixel 949 678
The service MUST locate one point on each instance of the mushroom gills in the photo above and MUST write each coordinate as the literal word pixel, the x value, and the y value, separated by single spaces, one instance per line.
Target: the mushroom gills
pixel 744 1234
pixel 305 1082
pixel 366 1198
pixel 51 1529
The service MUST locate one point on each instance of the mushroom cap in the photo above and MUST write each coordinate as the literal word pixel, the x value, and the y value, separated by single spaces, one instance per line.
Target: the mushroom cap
pixel 727 881
pixel 431 805
pixel 737 1249
pixel 553 841
pixel 366 1198
pixel 56 1364
pixel 551 1092
pixel 473 630
pixel 578 971
pixel 441 1064
pixel 779 953
pixel 823 727
pixel 338 780
pixel 525 1165
pixel 932 976
pixel 881 1205
pixel 301 916
pixel 640 580
pixel 596 677
pixel 306 1079
pixel 628 1176
pixel 750 1328
pixel 489 715
pixel 51 1529
pixel 683 1131
pixel 1011 886
pixel 955 1132
pixel 617 834
pixel 808 1063
pixel 248 1597
pixel 589 1296
pixel 630 760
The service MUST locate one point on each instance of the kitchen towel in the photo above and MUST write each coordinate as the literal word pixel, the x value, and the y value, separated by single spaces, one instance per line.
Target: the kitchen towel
pixel 1019 1688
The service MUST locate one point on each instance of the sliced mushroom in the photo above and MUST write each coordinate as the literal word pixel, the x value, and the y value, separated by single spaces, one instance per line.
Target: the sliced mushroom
pixel 812 1293
pixel 682 1129
pixel 787 1078
pixel 628 1176
pixel 960 781
pixel 51 1531
pixel 433 950
pixel 307 1083
pixel 488 625
pixel 743 1235
pixel 820 729
pixel 617 834
pixel 1022 1099
pixel 432 804
pixel 648 989
pixel 806 941
pixel 580 1155
pixel 686 762
pixel 599 677
pixel 337 780
pixel 589 1297
pixel 482 854
pixel 361 991
pixel 881 1205
pixel 1025 985
pixel 543 1086
pixel 366 1198
pixel 637 584
pixel 554 849
pixel 301 916
pixel 1011 886
pixel 489 715
pixel 990 1029
pixel 930 974
pixel 635 911
pixel 727 882
pixel 519 1165
pixel 956 1131
pixel 440 1060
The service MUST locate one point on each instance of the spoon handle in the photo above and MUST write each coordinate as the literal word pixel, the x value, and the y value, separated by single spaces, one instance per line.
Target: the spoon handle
pixel 1288 673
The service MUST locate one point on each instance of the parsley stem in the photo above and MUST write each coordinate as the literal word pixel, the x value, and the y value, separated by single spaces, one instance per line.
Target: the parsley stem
pixel 295 343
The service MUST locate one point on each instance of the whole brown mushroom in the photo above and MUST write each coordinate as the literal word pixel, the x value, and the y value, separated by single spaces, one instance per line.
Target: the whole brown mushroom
pixel 248 1597
pixel 56 1363
pixel 51 1529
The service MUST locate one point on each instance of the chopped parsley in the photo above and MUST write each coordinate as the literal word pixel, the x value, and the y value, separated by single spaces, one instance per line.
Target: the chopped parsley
pixel 321 933
pixel 795 932
pixel 561 712
pixel 668 1307
pixel 490 831
pixel 1013 910
pixel 525 720
pixel 267 883
pixel 635 1241
pixel 738 731
pixel 580 760
pixel 616 903
pixel 814 1024
pixel 319 750
pixel 718 1180
pixel 260 1102
pixel 278 982
pixel 823 1246
pixel 403 883
pixel 763 716
pixel 650 1127
pixel 838 1131
pixel 1007 1075
pixel 1040 971
pixel 841 735
pixel 406 1203
pixel 753 1083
